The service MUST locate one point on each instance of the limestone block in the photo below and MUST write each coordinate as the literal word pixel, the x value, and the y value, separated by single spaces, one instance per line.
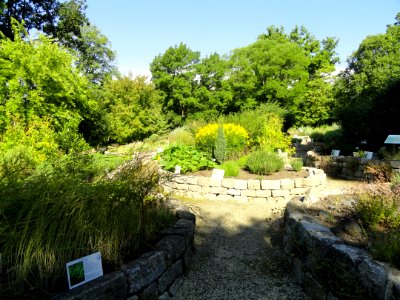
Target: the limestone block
pixel 144 270
pixel 215 182
pixel 287 184
pixel 181 186
pixel 109 286
pixel 205 189
pixel 168 277
pixel 191 180
pixel 253 184
pixel 174 288
pixel 224 197
pixel 240 184
pixel 164 296
pixel 203 181
pixel 241 199
pixel 263 193
pixel 184 214
pixel 270 184
pixel 228 183
pixel 234 192
pixel 210 197
pixel 248 193
pixel 197 195
pixel 313 287
pixel 179 179
pixel 299 182
pixel 219 191
pixel 322 178
pixel 173 246
pixel 151 292
pixel 280 193
pixel 312 181
pixel 298 191
pixel 194 188
pixel 373 276
pixel 187 259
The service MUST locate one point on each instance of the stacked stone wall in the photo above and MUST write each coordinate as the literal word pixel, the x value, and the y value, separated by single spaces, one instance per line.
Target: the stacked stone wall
pixel 329 269
pixel 245 191
pixel 155 275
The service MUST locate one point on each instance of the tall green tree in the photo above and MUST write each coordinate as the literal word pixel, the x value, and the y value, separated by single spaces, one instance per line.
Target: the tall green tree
pixel 133 109
pixel 368 89
pixel 174 74
pixel 37 14
pixel 213 90
pixel 41 92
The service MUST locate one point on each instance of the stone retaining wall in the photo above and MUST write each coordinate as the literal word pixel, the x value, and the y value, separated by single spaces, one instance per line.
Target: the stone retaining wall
pixel 155 275
pixel 245 191
pixel 329 269
pixel 345 166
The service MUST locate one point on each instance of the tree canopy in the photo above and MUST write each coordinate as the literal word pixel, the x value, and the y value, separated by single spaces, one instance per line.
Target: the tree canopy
pixel 367 92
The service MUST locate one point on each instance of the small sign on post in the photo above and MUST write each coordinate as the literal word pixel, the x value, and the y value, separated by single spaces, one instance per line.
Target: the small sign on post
pixel 218 174
pixel 367 155
pixel 84 269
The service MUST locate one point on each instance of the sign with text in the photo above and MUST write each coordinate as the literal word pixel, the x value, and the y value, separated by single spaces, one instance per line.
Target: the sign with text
pixel 218 174
pixel 335 153
pixel 84 269
pixel 367 155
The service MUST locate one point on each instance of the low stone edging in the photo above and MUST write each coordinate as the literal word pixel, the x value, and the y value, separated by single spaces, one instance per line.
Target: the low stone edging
pixel 154 275
pixel 329 269
pixel 244 191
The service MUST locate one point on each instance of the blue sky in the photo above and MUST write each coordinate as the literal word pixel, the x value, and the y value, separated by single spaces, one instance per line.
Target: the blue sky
pixel 140 30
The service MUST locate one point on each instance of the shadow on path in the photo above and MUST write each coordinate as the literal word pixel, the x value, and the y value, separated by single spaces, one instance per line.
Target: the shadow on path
pixel 238 255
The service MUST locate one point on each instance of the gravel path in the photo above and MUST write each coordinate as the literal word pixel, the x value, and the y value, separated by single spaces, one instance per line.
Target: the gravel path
pixel 236 255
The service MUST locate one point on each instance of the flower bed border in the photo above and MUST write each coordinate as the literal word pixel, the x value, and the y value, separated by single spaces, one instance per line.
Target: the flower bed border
pixel 245 191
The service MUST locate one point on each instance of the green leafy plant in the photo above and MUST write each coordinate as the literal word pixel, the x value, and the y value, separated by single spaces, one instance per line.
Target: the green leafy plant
pixel 231 168
pixel 296 163
pixel 263 163
pixel 187 157
pixel 220 145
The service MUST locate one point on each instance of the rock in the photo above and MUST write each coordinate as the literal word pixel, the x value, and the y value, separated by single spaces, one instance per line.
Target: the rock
pixel 173 247
pixel 145 270
pixel 169 276
pixel 109 286
pixel 352 227
pixel 174 288
pixel 150 293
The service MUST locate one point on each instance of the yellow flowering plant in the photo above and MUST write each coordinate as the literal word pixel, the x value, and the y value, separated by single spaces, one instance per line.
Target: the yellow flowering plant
pixel 236 136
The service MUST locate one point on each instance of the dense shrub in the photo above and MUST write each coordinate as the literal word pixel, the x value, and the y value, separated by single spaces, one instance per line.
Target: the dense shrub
pixel 187 157
pixel 181 136
pixel 264 163
pixel 67 209
pixel 378 171
pixel 264 125
pixel 235 135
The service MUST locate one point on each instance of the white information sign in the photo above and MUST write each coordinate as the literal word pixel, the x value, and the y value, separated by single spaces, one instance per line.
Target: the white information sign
pixel 335 153
pixel 218 174
pixel 368 155
pixel 177 170
pixel 84 269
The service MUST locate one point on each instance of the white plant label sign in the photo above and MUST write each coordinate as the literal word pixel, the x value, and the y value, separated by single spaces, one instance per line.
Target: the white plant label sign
pixel 84 269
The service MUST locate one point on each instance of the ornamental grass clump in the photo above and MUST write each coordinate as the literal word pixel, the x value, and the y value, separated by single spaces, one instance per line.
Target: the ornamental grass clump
pixel 264 163
pixel 297 164
pixel 65 210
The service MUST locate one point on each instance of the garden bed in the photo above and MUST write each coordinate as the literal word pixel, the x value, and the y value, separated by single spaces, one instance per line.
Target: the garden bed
pixel 243 174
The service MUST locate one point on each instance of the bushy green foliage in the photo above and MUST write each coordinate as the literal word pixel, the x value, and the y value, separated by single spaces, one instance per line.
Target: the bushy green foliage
pixel 133 109
pixel 296 163
pixel 264 163
pixel 181 136
pixel 231 168
pixel 220 145
pixel 187 157
pixel 66 209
